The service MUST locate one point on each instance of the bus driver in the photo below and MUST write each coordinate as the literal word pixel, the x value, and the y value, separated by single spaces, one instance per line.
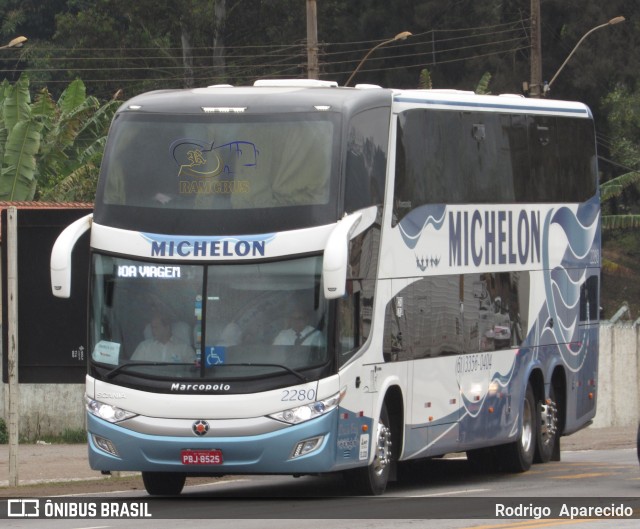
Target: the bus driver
pixel 299 330
pixel 162 346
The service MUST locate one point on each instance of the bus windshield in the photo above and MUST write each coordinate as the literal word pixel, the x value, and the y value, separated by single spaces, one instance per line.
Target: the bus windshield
pixel 219 161
pixel 186 321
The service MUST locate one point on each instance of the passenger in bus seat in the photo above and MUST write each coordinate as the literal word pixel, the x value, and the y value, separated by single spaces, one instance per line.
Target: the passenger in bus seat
pixel 164 345
pixel 300 331
pixel 230 335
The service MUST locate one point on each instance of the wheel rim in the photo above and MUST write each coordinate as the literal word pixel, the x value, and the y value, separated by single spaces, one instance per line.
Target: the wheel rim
pixel 527 427
pixel 383 450
pixel 548 422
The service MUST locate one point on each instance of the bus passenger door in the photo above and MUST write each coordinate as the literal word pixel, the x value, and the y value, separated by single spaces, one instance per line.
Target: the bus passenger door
pixel 422 328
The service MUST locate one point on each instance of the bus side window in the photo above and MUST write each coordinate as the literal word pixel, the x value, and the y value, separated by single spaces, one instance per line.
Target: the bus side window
pixel 348 327
pixel 589 300
pixel 366 159
pixel 395 331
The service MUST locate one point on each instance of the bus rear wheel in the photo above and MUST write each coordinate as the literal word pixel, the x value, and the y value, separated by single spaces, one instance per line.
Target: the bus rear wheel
pixel 547 436
pixel 518 456
pixel 163 483
pixel 372 480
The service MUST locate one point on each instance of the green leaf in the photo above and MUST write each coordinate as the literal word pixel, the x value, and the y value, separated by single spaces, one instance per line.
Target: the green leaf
pixel 620 222
pixel 17 178
pixel 425 80
pixel 16 103
pixel 74 96
pixel 615 186
pixel 44 105
pixel 80 185
pixel 4 90
pixel 483 85
pixel 97 125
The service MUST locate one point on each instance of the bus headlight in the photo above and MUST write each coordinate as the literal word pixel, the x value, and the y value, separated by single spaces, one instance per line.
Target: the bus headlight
pixel 107 412
pixel 309 411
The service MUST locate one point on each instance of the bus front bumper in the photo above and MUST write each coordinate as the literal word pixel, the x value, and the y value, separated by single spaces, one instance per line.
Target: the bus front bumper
pixel 112 447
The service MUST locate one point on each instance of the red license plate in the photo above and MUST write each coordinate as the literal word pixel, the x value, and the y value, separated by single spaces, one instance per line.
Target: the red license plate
pixel 201 457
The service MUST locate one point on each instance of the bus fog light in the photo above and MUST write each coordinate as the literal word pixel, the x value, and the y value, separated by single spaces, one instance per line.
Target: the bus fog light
pixel 104 444
pixel 307 446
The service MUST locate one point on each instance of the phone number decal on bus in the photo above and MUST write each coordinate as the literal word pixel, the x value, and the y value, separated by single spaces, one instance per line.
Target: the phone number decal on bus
pixel 473 363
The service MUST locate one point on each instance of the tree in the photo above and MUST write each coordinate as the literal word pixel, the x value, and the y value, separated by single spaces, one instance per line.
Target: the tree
pixel 620 194
pixel 146 45
pixel 51 149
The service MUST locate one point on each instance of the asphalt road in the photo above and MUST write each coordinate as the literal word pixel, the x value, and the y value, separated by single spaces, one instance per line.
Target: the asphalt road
pixel 442 493
pixel 597 468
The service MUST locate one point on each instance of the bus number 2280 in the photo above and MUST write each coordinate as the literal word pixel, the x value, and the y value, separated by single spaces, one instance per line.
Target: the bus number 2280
pixel 298 395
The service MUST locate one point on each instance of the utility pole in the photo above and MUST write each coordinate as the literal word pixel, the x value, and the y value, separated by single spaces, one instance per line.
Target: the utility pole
pixel 12 353
pixel 312 40
pixel 535 85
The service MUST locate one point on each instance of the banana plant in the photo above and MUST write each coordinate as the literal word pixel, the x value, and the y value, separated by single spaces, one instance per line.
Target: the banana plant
pixel 51 149
pixel 20 135
pixel 614 188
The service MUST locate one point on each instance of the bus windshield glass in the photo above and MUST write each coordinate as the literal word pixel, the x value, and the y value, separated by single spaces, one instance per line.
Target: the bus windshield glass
pixel 186 321
pixel 219 161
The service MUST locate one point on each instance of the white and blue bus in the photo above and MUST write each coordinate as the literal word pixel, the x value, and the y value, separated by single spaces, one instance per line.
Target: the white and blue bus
pixel 441 249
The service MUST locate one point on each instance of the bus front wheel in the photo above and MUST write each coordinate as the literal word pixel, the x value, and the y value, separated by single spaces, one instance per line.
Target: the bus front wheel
pixel 518 456
pixel 163 483
pixel 372 480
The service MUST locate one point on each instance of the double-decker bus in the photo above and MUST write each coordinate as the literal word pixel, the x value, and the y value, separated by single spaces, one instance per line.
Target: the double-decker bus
pixel 344 279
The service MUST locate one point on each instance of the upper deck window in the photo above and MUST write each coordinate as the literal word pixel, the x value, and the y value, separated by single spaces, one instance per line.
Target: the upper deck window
pixel 455 157
pixel 220 161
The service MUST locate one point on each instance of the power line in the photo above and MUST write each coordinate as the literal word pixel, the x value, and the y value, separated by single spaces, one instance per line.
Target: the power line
pixel 281 60
pixel 231 60
pixel 414 41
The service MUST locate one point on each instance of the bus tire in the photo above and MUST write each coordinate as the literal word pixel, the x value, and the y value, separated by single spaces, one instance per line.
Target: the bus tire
pixel 372 479
pixel 163 483
pixel 518 456
pixel 547 433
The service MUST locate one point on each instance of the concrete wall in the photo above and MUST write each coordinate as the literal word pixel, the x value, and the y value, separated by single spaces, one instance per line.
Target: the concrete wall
pixel 52 408
pixel 47 409
pixel 618 376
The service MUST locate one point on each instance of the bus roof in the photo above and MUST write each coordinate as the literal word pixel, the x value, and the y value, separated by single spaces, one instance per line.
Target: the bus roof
pixel 299 95
pixel 257 99
pixel 461 100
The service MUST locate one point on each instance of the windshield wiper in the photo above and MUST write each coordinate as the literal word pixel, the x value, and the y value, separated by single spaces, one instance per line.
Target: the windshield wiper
pixel 281 366
pixel 122 367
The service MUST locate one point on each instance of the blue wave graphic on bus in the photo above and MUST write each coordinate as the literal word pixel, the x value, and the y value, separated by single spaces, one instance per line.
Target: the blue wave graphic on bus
pixel 581 232
pixel 563 283
pixel 415 222
pixel 498 380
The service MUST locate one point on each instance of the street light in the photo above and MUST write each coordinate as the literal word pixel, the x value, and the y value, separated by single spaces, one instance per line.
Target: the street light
pixel 399 36
pixel 15 43
pixel 611 22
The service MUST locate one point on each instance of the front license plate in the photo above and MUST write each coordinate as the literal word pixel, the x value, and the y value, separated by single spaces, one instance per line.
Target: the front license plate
pixel 201 457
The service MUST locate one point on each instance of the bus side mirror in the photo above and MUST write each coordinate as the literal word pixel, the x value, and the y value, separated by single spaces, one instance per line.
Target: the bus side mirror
pixel 336 252
pixel 61 256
